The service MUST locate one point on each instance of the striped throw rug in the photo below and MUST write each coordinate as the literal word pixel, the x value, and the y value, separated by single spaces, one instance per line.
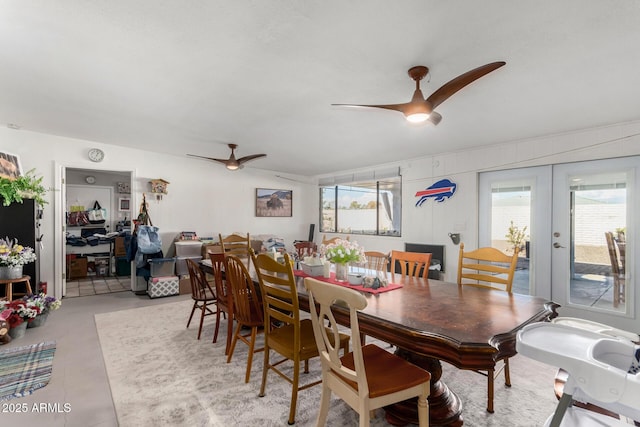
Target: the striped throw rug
pixel 25 369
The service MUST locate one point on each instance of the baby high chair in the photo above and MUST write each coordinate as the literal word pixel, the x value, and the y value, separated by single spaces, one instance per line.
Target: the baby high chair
pixel 602 369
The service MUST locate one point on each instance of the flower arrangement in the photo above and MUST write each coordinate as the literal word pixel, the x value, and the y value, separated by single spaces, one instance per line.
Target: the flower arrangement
pixel 343 252
pixel 42 302
pixel 13 254
pixel 21 311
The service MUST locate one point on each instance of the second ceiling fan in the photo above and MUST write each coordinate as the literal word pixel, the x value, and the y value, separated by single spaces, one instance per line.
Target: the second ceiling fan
pixel 419 109
pixel 232 163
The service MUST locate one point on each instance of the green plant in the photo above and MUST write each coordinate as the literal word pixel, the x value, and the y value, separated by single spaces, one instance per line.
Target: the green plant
pixel 27 186
pixel 516 236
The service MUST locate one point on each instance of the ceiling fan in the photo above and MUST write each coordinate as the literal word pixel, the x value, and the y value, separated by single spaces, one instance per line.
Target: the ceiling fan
pixel 232 163
pixel 419 109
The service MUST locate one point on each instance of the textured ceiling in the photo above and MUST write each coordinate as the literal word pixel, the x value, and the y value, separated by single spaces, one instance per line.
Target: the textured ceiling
pixel 190 77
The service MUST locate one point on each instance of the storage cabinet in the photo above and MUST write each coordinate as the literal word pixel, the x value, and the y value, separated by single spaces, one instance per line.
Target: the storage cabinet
pixel 22 221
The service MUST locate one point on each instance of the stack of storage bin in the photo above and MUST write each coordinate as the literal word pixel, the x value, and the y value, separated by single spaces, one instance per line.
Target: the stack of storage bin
pixel 187 249
pixel 163 281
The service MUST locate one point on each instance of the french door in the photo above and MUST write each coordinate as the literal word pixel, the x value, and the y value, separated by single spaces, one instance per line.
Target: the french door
pixel 568 209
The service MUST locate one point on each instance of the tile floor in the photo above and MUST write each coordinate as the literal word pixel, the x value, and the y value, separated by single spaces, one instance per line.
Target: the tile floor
pixel 95 285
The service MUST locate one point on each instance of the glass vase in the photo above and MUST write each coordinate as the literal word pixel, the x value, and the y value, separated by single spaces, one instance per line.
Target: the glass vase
pixel 342 272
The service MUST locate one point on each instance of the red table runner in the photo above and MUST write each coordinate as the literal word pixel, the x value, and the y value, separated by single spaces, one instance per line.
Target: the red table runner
pixel 389 287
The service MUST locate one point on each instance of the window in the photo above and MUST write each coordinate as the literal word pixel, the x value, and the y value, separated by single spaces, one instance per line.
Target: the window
pixel 365 207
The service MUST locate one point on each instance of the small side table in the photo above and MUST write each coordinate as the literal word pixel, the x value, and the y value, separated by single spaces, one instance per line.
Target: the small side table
pixel 9 286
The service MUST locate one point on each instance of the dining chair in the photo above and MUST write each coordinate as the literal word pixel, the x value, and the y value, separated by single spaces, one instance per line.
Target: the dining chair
pixel 224 298
pixel 247 308
pixel 414 264
pixel 304 249
pixel 293 337
pixel 376 261
pixel 617 258
pixel 236 244
pixel 488 268
pixel 202 295
pixel 369 377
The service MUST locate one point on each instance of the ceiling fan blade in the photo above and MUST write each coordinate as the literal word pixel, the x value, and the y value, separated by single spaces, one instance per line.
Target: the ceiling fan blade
pixel 395 107
pixel 451 87
pixel 209 158
pixel 251 157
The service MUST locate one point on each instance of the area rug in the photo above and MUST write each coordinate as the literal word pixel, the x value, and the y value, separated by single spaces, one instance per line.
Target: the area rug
pixel 161 375
pixel 25 369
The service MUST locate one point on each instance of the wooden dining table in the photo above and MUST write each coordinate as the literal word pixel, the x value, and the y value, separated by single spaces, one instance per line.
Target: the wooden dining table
pixel 430 321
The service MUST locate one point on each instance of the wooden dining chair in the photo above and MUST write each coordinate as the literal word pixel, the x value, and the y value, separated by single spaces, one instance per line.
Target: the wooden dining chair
pixel 617 258
pixel 237 245
pixel 293 338
pixel 305 249
pixel 488 268
pixel 376 261
pixel 224 299
pixel 204 298
pixel 369 377
pixel 247 308
pixel 414 264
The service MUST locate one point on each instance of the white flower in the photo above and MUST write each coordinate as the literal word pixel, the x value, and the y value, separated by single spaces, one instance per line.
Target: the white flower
pixel 13 254
pixel 343 251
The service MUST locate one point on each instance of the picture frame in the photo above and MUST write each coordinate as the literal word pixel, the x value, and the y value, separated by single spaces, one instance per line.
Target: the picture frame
pixel 124 204
pixel 10 167
pixel 274 203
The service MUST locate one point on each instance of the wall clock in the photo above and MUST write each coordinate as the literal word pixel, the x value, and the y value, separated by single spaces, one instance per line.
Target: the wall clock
pixel 96 155
pixel 90 179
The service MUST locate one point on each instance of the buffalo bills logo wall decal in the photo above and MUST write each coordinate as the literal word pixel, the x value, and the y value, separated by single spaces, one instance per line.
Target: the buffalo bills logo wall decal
pixel 439 191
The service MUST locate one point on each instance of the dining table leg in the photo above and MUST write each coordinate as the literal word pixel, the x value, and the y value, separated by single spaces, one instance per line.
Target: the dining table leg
pixel 445 408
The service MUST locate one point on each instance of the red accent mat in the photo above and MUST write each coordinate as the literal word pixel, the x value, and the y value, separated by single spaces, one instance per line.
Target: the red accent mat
pixel 389 287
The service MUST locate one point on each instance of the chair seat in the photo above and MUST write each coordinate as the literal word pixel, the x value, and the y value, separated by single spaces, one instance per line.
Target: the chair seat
pixel 207 296
pixel 386 372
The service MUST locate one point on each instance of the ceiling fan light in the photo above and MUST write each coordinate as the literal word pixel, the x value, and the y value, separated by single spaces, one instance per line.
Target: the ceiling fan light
pixel 232 167
pixel 418 117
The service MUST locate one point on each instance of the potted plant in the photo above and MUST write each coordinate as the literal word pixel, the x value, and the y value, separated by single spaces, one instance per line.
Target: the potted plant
pixel 13 257
pixel 516 237
pixel 20 315
pixel 341 253
pixel 27 186
pixel 44 305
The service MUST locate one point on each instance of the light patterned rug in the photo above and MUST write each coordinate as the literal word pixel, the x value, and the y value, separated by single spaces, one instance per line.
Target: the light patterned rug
pixel 160 374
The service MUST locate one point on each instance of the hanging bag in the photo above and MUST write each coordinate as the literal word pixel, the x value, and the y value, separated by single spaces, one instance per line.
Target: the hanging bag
pixel 149 241
pixel 78 218
pixel 97 215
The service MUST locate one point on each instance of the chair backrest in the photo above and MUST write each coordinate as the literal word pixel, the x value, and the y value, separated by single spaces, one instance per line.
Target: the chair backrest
pixel 278 292
pixel 376 261
pixel 487 267
pixel 199 283
pixel 415 264
pixel 304 249
pixel 235 244
pixel 324 323
pixel 246 301
pixel 217 265
pixel 615 255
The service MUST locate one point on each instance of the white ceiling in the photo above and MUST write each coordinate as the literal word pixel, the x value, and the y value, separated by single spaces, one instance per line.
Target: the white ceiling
pixel 191 76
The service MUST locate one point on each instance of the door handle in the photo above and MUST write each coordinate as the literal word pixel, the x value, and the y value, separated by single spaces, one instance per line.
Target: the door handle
pixel 557 245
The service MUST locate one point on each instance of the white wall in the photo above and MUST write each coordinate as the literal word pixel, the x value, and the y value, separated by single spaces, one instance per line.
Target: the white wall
pixel 431 222
pixel 203 196
pixel 208 199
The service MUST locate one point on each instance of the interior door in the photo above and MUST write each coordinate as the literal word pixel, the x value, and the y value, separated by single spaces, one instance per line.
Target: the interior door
pixel 589 200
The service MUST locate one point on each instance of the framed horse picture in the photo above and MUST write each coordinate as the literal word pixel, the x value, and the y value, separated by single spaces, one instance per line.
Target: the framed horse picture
pixel 273 203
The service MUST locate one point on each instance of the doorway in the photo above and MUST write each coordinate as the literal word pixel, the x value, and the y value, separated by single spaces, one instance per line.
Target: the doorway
pixel 570 209
pixel 92 256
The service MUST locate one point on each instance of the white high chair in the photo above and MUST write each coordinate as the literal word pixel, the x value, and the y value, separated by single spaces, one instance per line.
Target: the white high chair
pixel 602 369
